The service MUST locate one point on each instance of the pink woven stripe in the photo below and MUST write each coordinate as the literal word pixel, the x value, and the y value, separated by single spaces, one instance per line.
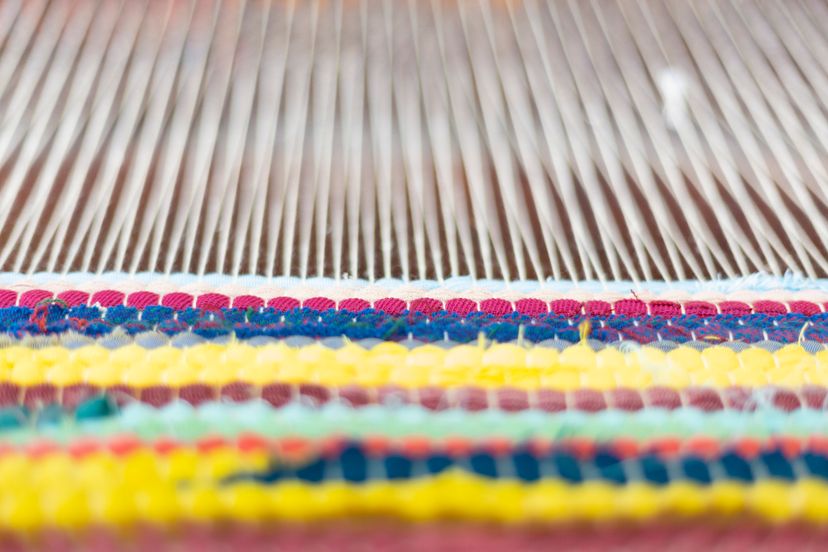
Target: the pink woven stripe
pixel 108 298
pixel 426 305
pixel 8 298
pixel 665 308
pixel 734 307
pixel 630 307
pixel 354 305
pixel 461 306
pixel 769 307
pixel 594 308
pixel 319 303
pixel 496 307
pixel 141 299
pixel 212 301
pixel 391 306
pixel 74 298
pixel 33 297
pixel 531 307
pixel 248 302
pixel 703 308
pixel 177 300
pixel 283 303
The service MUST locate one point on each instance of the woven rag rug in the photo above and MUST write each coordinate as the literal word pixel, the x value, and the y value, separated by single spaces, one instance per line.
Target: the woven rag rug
pixel 305 414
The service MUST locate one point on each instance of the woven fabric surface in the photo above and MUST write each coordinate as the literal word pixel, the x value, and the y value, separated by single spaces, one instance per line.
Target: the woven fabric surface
pixel 171 410
pixel 413 275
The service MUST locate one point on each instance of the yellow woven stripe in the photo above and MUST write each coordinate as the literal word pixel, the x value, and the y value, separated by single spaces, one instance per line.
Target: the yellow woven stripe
pixel 59 491
pixel 392 364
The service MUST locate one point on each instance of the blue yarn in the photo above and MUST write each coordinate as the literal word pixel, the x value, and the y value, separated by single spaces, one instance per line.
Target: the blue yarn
pixel 155 314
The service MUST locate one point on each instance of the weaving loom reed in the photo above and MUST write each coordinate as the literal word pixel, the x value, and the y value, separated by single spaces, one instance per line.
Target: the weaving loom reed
pixel 415 139
pixel 413 274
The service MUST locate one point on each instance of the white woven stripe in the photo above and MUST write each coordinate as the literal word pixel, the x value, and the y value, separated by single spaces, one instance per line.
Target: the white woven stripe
pixel 758 287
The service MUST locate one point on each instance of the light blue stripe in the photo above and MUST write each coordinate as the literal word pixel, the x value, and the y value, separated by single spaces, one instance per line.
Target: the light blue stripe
pixel 755 282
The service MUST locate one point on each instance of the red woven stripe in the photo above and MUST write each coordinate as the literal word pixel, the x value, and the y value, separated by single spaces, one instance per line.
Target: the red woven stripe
pixel 157 395
pixel 389 535
pixel 237 392
pixel 38 395
pixel 434 398
pixel 512 400
pixel 10 394
pixel 197 393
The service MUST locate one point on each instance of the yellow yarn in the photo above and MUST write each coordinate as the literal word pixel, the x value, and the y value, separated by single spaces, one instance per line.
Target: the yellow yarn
pixel 143 486
pixel 499 365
